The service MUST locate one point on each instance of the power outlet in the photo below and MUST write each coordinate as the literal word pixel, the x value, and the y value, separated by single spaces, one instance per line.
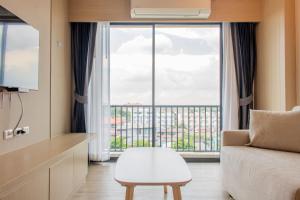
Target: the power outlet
pixel 18 131
pixel 22 131
pixel 8 134
pixel 26 130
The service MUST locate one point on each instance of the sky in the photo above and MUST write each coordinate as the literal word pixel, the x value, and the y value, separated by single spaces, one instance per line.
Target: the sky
pixel 187 65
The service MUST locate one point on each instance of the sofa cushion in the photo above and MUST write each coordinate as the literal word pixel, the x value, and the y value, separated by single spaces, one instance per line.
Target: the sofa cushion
pixel 250 173
pixel 275 130
pixel 296 108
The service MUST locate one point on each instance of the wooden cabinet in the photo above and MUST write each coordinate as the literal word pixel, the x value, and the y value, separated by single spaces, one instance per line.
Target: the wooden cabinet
pixel 80 166
pixel 34 188
pixel 61 178
pixel 69 173
pixel 50 170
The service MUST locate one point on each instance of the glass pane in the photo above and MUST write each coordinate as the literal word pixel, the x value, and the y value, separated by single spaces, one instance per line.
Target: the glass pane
pixel 131 86
pixel 187 65
pixel 187 87
pixel 131 65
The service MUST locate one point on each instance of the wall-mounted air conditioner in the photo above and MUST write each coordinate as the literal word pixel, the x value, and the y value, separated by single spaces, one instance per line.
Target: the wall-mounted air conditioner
pixel 171 9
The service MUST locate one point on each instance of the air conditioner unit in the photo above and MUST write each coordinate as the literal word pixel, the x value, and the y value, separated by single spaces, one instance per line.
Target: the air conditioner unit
pixel 171 9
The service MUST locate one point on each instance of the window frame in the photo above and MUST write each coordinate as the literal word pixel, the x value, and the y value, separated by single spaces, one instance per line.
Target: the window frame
pixel 154 25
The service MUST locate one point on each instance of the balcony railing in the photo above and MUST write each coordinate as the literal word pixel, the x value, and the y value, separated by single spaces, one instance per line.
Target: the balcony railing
pixel 183 128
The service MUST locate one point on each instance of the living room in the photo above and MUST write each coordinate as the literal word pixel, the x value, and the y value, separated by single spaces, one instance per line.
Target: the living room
pixel 140 99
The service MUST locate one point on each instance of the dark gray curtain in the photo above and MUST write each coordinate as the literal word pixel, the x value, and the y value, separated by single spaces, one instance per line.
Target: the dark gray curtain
pixel 83 37
pixel 244 46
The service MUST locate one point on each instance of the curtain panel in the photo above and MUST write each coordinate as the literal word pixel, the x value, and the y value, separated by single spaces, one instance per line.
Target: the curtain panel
pixel 230 99
pixel 82 52
pixel 244 47
pixel 98 107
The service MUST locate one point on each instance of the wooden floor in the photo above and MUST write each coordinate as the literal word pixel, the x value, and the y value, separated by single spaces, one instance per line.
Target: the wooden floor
pixel 206 185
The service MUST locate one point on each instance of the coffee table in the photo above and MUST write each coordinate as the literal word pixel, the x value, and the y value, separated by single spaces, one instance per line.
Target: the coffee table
pixel 152 167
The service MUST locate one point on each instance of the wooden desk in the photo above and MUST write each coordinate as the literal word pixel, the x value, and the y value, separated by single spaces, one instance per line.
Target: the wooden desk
pixel 152 166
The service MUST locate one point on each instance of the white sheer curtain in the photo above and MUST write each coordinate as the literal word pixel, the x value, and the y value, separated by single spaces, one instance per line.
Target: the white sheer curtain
pixel 230 93
pixel 98 116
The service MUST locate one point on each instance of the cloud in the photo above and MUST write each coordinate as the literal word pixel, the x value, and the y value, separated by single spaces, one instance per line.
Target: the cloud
pixel 185 79
pixel 192 46
pixel 163 43
pixel 143 45
pixel 187 67
pixel 139 44
pixel 131 78
pixel 190 33
pixel 120 35
pixel 198 41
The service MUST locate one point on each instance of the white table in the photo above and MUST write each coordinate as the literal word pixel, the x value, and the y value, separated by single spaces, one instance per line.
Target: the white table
pixel 152 166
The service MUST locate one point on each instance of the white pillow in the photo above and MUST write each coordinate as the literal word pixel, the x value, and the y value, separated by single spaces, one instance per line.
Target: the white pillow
pixel 275 130
pixel 296 108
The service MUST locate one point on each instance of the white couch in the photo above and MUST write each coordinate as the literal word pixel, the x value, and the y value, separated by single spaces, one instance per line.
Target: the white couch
pixel 258 174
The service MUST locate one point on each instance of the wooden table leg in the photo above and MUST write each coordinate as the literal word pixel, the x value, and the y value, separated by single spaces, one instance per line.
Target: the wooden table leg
pixel 129 192
pixel 165 189
pixel 176 192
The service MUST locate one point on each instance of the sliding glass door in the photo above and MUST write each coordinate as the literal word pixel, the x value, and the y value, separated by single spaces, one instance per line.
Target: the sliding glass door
pixel 165 86
pixel 131 86
pixel 187 86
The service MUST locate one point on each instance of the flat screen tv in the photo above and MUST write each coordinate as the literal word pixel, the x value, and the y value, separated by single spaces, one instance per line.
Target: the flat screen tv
pixel 19 56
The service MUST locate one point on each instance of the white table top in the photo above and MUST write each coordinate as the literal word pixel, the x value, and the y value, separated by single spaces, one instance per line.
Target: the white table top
pixel 152 166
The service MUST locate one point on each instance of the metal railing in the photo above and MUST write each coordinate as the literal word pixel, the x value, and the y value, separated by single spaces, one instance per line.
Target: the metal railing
pixel 184 128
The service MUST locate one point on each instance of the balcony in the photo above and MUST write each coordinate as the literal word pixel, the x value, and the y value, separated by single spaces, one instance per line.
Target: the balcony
pixel 193 128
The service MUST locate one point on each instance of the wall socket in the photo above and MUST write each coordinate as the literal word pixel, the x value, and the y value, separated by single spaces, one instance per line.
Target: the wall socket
pixel 18 131
pixel 22 131
pixel 8 134
pixel 26 130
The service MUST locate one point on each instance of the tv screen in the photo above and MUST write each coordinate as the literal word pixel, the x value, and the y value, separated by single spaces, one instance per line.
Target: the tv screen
pixel 19 55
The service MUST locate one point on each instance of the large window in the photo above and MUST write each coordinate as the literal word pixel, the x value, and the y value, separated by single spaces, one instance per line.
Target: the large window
pixel 165 86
